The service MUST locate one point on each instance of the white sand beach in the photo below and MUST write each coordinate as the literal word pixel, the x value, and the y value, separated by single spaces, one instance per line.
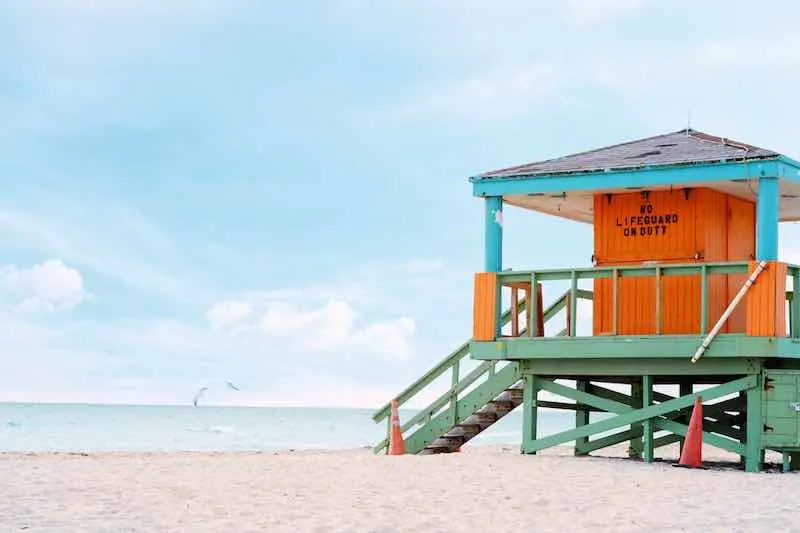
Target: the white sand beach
pixel 481 489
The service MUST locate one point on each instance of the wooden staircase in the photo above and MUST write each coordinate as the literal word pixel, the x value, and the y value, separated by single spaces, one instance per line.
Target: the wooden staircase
pixel 477 422
pixel 473 403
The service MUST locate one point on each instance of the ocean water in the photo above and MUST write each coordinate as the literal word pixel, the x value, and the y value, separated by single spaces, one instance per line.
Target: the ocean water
pixel 76 428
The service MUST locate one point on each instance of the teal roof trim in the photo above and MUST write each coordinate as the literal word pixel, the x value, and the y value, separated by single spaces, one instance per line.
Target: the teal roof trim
pixel 686 173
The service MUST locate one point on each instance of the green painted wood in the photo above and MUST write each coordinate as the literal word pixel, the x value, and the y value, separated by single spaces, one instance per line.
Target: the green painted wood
pixel 688 269
pixel 703 299
pixel 440 368
pixel 589 446
pixel 424 415
pixel 665 440
pixel 648 446
pixel 781 419
pixel 452 363
pixel 754 428
pixel 584 397
pixel 530 418
pixel 471 402
pixel 567 406
pixel 573 305
pixel 788 348
pixel 620 401
pixel 729 345
pixel 637 415
pixel 617 402
pixel 709 438
pixel 658 368
pixel 533 326
pixel 636 447
pixel 581 416
pixel 454 382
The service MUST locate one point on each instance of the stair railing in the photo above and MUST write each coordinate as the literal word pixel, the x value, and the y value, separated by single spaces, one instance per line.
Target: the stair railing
pixel 458 384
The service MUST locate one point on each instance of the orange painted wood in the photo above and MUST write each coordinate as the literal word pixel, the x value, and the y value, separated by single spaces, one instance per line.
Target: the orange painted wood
pixel 663 227
pixel 741 247
pixel 766 302
pixel 711 235
pixel 629 227
pixel 484 307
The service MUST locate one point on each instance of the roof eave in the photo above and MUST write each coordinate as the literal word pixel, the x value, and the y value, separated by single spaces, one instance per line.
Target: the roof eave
pixel 638 176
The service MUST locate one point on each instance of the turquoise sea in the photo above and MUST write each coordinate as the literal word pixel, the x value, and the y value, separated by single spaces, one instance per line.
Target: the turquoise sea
pixel 76 428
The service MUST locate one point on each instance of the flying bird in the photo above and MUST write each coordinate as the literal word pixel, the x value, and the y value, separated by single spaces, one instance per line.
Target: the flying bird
pixel 198 395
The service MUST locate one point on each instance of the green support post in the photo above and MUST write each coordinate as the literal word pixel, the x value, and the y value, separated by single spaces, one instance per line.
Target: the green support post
pixel 754 456
pixel 581 417
pixel 530 394
pixel 647 425
pixel 635 447
pixel 743 399
pixel 573 305
pixel 703 300
pixel 627 415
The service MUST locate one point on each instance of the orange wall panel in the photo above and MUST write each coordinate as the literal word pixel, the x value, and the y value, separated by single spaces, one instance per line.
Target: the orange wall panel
pixel 484 307
pixel 631 228
pixel 741 243
pixel 766 302
pixel 677 226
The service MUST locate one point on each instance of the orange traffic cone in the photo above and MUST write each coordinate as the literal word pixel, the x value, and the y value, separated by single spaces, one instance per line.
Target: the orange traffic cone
pixel 396 444
pixel 692 454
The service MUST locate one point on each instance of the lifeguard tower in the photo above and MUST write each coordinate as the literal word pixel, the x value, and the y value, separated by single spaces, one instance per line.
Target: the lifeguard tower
pixel 686 293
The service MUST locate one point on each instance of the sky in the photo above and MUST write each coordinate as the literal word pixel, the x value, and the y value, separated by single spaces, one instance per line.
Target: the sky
pixel 277 193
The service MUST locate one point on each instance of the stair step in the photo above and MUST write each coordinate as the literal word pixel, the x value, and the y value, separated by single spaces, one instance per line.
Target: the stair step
pixel 501 405
pixel 464 430
pixel 512 395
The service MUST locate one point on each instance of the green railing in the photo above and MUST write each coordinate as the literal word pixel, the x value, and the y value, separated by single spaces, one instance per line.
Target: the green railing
pixel 615 273
pixel 454 363
pixel 515 279
pixel 793 272
pixel 458 385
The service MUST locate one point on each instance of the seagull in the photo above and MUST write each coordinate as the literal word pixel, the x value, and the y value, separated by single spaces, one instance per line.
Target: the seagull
pixel 198 394
pixel 231 385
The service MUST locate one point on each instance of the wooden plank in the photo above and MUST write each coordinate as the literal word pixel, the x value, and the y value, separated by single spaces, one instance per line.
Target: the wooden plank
pixel 766 302
pixel 484 308
pixel 631 416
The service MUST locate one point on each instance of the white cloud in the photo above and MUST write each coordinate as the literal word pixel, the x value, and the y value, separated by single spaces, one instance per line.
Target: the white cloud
pixel 50 285
pixel 307 326
pixel 121 249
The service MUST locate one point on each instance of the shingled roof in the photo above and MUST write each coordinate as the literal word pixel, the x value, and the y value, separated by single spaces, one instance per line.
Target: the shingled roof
pixel 680 147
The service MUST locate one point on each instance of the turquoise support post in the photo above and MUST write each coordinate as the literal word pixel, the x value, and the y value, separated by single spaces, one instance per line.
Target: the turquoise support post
pixel 767 219
pixel 494 234
pixel 493 252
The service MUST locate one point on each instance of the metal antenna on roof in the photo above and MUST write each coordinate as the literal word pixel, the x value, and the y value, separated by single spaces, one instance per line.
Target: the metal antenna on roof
pixel 688 120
